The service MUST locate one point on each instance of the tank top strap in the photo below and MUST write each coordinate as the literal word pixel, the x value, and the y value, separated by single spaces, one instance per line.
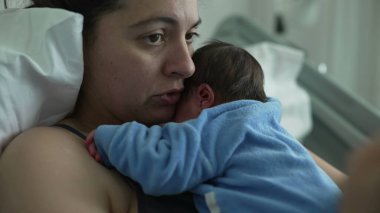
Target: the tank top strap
pixel 71 129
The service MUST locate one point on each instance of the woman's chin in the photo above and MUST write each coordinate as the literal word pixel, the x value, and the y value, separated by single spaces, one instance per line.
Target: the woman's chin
pixel 162 115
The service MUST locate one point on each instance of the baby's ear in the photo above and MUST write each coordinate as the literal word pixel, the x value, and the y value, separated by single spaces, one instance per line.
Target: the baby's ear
pixel 206 96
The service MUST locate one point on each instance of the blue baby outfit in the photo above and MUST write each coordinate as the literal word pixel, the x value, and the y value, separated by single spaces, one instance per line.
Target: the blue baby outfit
pixel 234 157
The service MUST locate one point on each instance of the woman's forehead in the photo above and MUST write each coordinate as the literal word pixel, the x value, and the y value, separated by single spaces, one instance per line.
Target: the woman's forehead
pixel 181 10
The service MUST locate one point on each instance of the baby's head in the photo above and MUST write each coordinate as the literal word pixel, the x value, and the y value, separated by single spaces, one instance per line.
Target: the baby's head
pixel 223 73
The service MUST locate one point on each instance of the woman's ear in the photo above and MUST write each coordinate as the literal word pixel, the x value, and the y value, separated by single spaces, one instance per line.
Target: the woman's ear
pixel 206 96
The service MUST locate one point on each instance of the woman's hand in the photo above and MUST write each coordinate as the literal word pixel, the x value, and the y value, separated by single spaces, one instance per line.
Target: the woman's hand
pixel 91 147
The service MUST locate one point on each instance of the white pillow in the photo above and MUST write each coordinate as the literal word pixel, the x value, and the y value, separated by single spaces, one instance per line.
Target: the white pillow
pixel 41 68
pixel 282 65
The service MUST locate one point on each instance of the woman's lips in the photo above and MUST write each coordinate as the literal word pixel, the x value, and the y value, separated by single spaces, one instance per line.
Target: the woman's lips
pixel 170 98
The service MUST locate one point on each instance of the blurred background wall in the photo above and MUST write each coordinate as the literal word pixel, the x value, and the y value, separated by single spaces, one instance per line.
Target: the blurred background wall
pixel 341 37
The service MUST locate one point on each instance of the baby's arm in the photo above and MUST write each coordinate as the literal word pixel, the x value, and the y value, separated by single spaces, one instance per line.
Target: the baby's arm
pixel 164 160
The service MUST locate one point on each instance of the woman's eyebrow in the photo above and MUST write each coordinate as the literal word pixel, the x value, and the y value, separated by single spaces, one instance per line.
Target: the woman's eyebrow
pixel 197 23
pixel 160 19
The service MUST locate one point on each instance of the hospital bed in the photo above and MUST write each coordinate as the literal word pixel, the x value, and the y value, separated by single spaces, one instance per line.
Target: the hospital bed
pixel 341 120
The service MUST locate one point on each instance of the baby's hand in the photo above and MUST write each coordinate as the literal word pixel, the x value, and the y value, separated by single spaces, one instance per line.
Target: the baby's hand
pixel 91 146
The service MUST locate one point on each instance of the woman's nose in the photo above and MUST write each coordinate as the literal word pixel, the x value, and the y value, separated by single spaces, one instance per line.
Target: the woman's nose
pixel 180 63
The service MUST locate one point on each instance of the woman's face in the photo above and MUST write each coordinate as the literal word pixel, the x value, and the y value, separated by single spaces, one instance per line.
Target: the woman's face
pixel 135 68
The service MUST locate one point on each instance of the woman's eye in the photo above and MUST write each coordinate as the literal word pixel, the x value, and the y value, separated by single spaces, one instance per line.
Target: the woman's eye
pixel 191 36
pixel 154 39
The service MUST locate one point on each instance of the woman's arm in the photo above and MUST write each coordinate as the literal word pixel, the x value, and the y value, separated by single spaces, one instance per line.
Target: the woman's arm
pixel 361 193
pixel 336 175
pixel 45 170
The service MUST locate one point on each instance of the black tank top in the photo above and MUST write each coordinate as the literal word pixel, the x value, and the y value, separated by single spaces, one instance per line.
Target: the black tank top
pixel 147 204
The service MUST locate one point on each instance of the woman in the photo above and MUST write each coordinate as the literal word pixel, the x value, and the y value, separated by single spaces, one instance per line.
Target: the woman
pixel 137 49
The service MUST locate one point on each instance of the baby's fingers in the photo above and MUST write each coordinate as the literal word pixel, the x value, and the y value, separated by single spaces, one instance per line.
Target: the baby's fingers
pixel 92 149
pixel 90 137
pixel 98 158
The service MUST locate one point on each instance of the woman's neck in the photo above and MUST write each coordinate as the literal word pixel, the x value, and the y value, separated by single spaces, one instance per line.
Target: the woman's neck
pixel 87 120
pixel 89 114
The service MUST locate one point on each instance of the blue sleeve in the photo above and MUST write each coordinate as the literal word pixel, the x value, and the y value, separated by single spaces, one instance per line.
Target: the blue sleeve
pixel 163 160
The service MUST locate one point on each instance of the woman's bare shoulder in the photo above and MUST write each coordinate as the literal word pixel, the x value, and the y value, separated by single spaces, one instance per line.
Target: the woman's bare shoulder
pixel 46 168
pixel 47 144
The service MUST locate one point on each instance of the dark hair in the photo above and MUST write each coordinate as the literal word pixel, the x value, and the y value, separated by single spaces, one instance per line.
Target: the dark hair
pixel 91 10
pixel 231 72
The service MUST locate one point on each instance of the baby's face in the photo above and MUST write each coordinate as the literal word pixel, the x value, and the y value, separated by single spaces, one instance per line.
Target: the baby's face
pixel 187 108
